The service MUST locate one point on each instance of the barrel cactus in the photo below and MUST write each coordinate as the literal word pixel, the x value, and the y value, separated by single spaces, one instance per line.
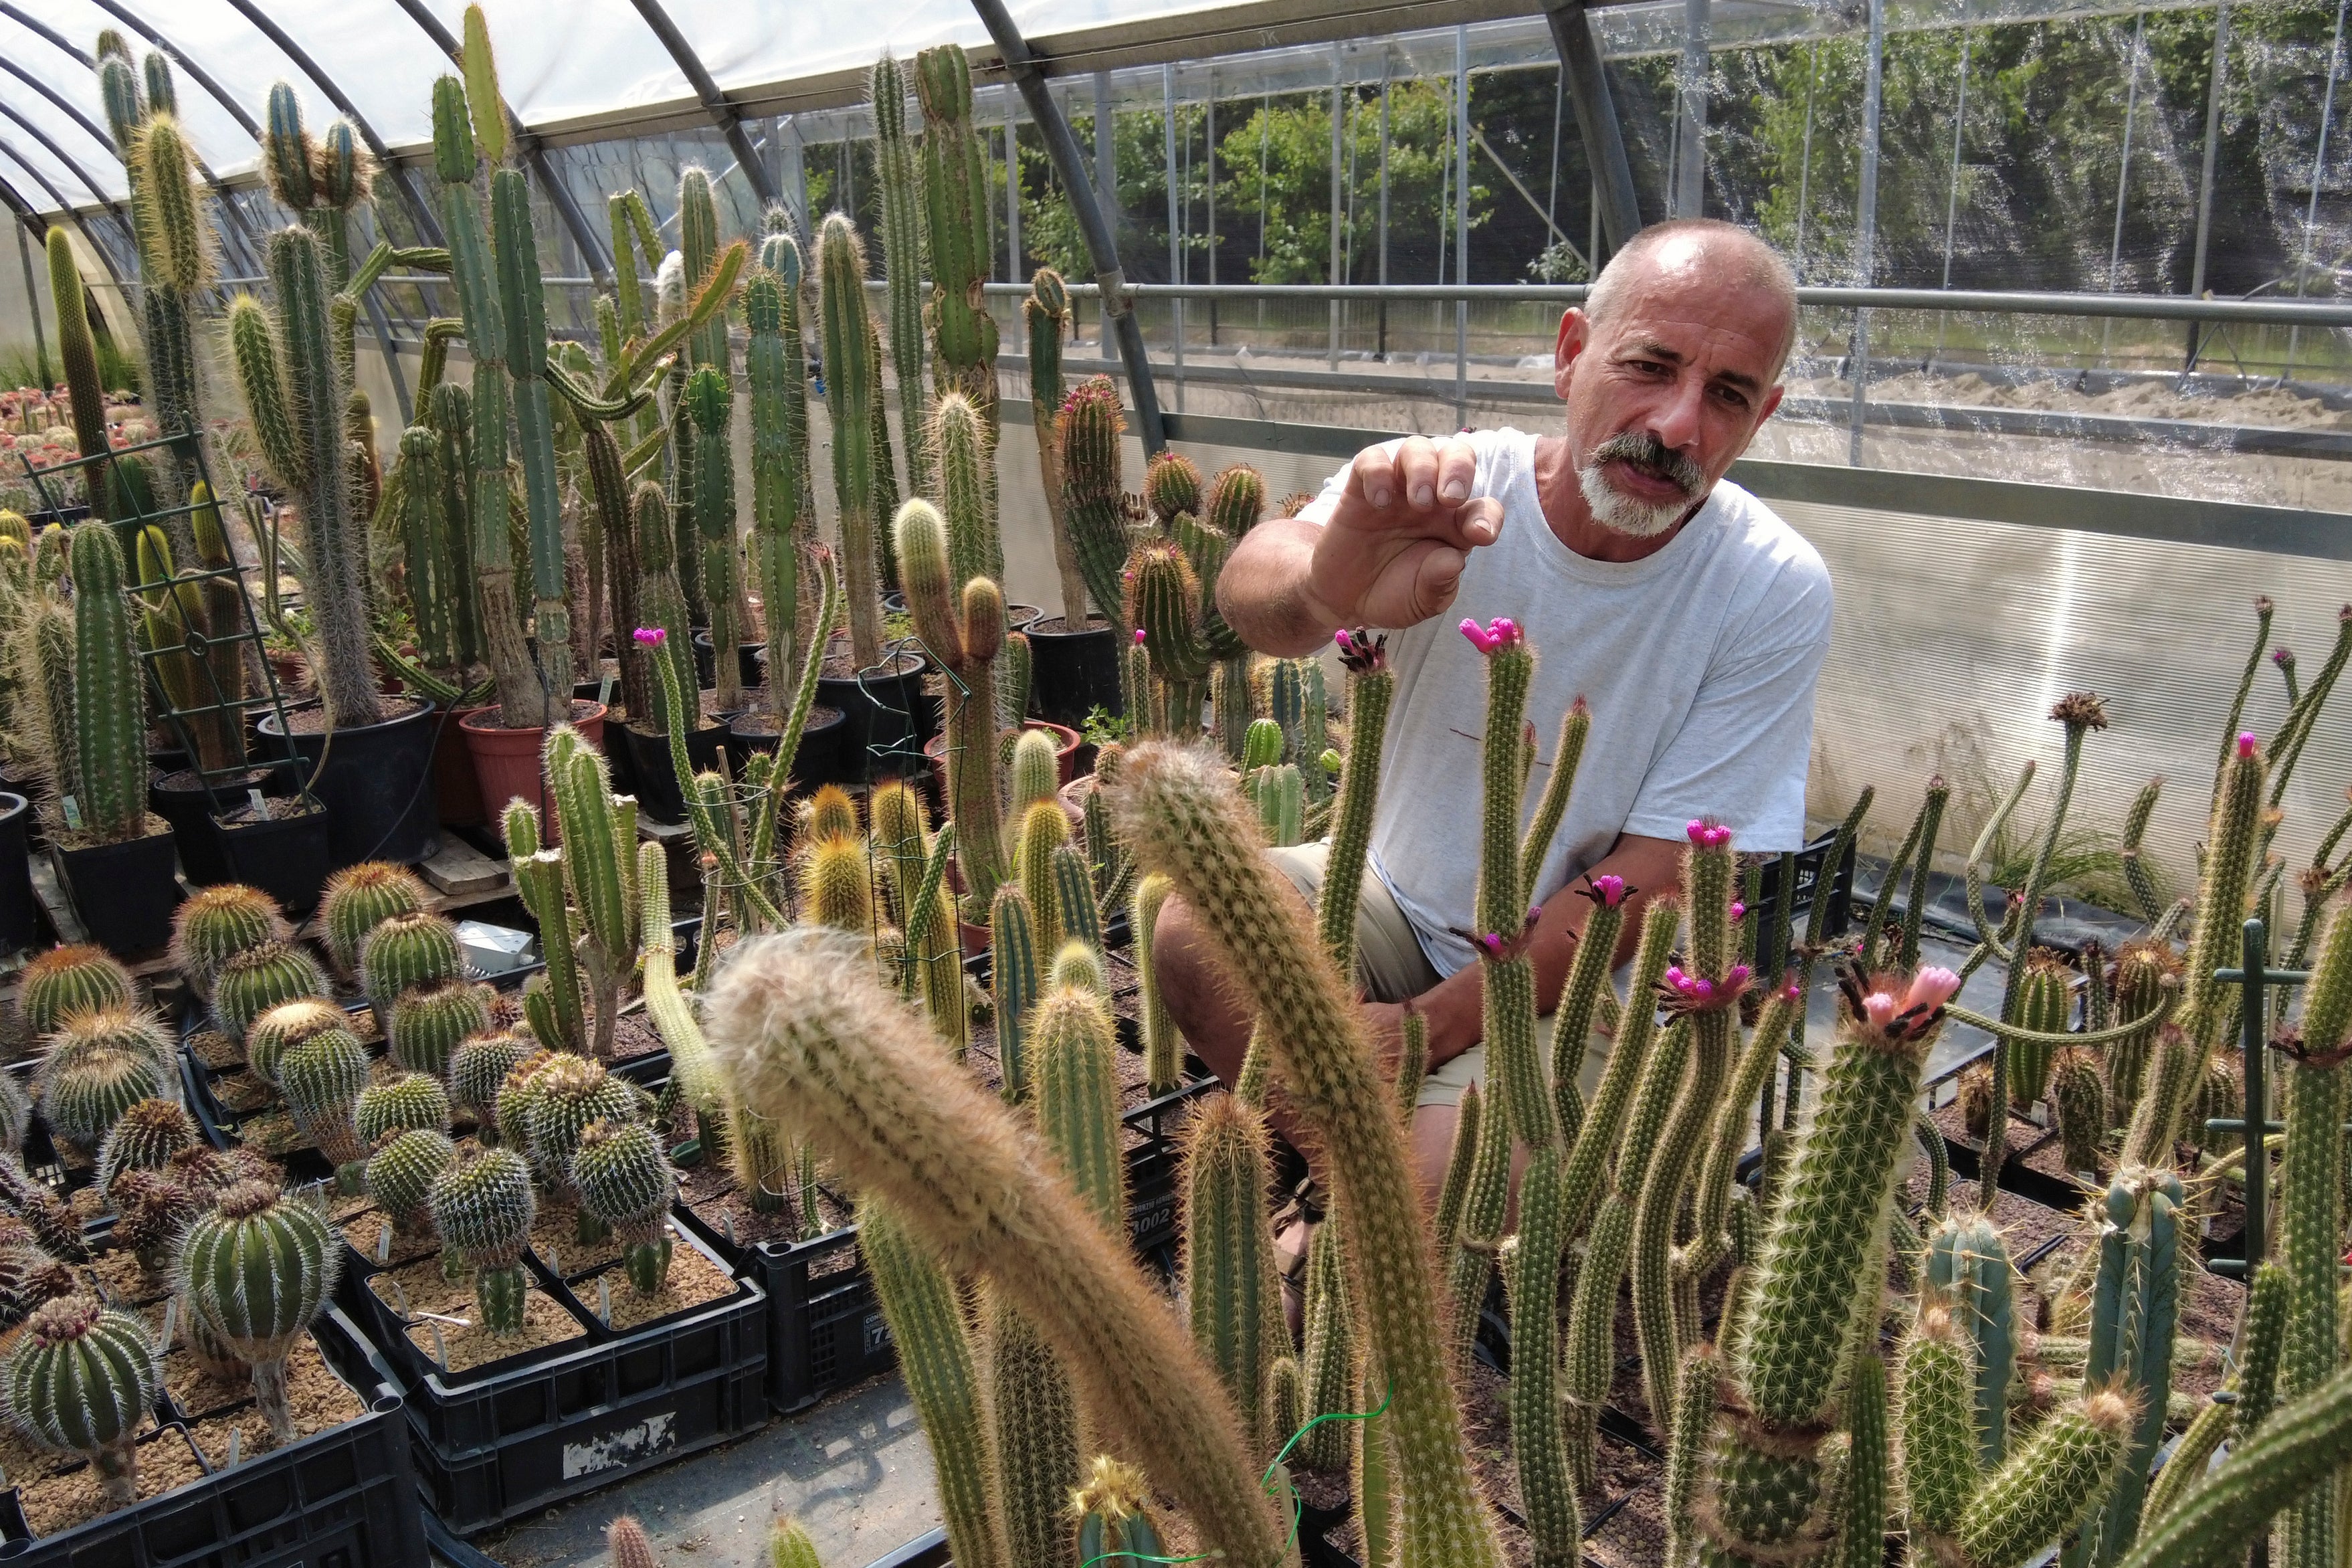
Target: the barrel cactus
pixel 518 1092
pixel 151 1209
pixel 625 1180
pixel 322 1077
pixel 29 1200
pixel 29 1277
pixel 569 1095
pixel 401 1173
pixel 405 952
pixel 82 1380
pixel 483 1208
pixel 1171 484
pixel 428 1024
pixel 102 1065
pixel 256 1269
pixel 253 981
pixel 217 923
pixel 145 1138
pixel 412 1099
pixel 270 1036
pixel 75 978
pixel 478 1066
pixel 359 898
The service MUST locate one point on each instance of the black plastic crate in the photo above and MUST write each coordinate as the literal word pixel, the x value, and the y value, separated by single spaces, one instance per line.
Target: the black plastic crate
pixel 346 1497
pixel 500 1440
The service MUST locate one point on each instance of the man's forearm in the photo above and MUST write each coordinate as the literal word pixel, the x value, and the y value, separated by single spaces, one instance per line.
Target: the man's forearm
pixel 1264 595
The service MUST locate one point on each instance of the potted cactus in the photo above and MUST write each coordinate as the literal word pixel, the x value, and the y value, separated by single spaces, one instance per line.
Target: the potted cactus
pixel 1074 657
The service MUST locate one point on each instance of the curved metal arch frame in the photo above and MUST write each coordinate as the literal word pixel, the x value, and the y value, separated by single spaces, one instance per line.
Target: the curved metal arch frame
pixel 113 207
pixel 715 102
pixel 66 208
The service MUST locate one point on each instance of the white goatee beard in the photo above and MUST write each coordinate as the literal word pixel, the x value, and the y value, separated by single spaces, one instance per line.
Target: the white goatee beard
pixel 1618 513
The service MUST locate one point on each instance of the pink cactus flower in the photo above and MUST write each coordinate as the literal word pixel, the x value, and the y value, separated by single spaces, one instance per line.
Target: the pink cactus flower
pixel 2247 743
pixel 1611 889
pixel 1879 1008
pixel 651 636
pixel 1738 911
pixel 1346 644
pixel 1932 987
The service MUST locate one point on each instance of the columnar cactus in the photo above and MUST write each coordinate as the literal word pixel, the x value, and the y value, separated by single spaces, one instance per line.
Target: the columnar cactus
pixel 1047 313
pixel 270 1036
pixel 806 1033
pixel 1328 1353
pixel 776 365
pixel 83 1379
pixel 77 346
pixel 2045 1003
pixel 955 198
pixel 145 1138
pixel 1014 982
pixel 2137 985
pixel 110 698
pixel 483 1207
pixel 1044 829
pixel 600 833
pixel 215 924
pixel 965 629
pixel 479 1069
pixel 357 899
pixel 428 1023
pixel 896 168
pixel 1094 500
pixel 625 1180
pixel 257 1270
pixel 401 1173
pixel 412 1099
pixel 1172 486
pixel 709 404
pixel 852 393
pixel 259 978
pixel 1967 1265
pixel 407 952
pixel 1163 1044
pixel 71 978
pixel 1034 1422
pixel 2079 1100
pixel 322 1077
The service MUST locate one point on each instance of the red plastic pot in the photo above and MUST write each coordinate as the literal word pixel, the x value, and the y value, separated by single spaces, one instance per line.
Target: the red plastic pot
pixel 507 762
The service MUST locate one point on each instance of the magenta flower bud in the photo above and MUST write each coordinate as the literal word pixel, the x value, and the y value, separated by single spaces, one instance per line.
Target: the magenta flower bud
pixel 1790 990
pixel 1696 831
pixel 1676 977
pixel 1739 977
pixel 1484 641
pixel 1879 1008
pixel 652 637
pixel 1138 637
pixel 1716 837
pixel 1738 911
pixel 1535 913
pixel 2283 657
pixel 2246 743
pixel 1611 889
pixel 1932 987
pixel 1346 644
pixel 1702 990
pixel 1493 943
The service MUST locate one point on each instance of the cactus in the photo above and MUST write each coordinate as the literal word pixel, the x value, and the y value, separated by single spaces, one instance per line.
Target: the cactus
pixel 1165 601
pixel 1968 1263
pixel 260 978
pixel 1093 499
pixel 835 889
pixel 1112 1522
pixel 599 834
pixel 359 898
pixel 2045 1490
pixel 270 1036
pixel 2301 1442
pixel 322 1077
pixel 479 1069
pixel 1174 809
pixel 1077 1096
pixel 483 1207
pixel 517 1094
pixel 955 200
pixel 406 951
pixel 1328 1355
pixel 806 1033
pixel 2045 1001
pixel 257 1270
pixel 1941 1468
pixel 215 924
pixel 1035 774
pixel 1164 1045
pixel 77 347
pixel 2311 1183
pixel 1047 311
pixel 2138 985
pixel 2080 1100
pixel 568 1094
pixel 964 628
pixel 395 1105
pixel 1171 484
pixel 70 979
pixel 852 389
pixel 428 1024
pixel 145 1138
pixel 776 365
pixel 401 1173
pixel 709 404
pixel 625 1180
pixel 1014 981
pixel 109 705
pixel 895 166
pixel 1034 1422
pixel 290 356
pixel 82 1380
pixel 101 1065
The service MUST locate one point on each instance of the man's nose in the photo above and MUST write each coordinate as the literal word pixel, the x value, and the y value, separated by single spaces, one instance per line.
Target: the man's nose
pixel 1675 420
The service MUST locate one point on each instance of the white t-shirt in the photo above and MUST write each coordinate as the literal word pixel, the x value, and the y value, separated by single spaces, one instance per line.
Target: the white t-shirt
pixel 1698 663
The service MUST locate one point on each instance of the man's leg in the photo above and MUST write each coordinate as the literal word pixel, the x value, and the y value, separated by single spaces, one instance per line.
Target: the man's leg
pixel 1437 1112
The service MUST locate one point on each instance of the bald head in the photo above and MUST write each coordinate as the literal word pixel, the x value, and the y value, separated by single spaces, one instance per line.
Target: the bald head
pixel 1703 254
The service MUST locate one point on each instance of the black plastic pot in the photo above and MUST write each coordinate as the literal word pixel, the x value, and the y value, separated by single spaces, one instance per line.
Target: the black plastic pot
pixel 658 788
pixel 35 833
pixel 181 800
pixel 20 912
pixel 286 856
pixel 377 786
pixel 889 717
pixel 747 661
pixel 819 760
pixel 123 893
pixel 1073 673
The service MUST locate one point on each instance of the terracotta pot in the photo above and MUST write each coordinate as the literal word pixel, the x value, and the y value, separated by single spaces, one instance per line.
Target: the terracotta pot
pixel 507 764
pixel 1066 751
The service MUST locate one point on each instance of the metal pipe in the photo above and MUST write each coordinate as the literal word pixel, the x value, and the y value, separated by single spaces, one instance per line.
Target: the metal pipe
pixel 49 142
pixel 1384 276
pixel 2318 171
pixel 1866 215
pixel 1462 220
pixel 65 209
pixel 1175 221
pixel 1107 150
pixel 1690 162
pixel 2205 175
pixel 1596 120
pixel 1209 116
pixel 715 103
pixel 1012 191
pixel 1021 64
pixel 1952 195
pixel 1338 73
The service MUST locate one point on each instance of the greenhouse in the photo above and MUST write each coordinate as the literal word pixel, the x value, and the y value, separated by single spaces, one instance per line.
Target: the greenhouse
pixel 1037 784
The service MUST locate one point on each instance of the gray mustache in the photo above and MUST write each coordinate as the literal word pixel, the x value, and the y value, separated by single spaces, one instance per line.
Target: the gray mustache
pixel 1652 456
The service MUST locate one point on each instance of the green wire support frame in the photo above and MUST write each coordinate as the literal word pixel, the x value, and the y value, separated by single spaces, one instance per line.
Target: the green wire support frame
pixel 2252 979
pixel 194 641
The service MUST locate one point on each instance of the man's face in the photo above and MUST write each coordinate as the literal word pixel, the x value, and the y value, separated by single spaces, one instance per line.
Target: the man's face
pixel 1666 392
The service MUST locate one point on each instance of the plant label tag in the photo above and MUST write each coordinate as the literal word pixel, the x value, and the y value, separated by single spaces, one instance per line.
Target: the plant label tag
pixel 260 812
pixel 605 689
pixel 72 810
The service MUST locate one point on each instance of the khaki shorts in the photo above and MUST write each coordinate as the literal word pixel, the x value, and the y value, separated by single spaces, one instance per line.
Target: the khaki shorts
pixel 1391 967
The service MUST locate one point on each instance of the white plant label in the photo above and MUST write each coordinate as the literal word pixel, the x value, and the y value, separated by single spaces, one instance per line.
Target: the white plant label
pixel 72 810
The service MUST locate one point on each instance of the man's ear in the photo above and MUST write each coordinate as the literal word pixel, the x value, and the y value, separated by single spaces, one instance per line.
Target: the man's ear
pixel 1575 333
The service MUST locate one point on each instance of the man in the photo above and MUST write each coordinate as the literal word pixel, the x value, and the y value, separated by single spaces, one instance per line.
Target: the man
pixel 1692 619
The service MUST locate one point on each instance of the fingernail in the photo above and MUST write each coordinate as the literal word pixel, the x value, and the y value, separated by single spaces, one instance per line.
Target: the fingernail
pixel 1380 496
pixel 1455 489
pixel 1421 495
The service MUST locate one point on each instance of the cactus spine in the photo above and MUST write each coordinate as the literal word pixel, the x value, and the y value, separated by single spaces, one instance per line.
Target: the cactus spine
pixel 965 639
pixel 257 1270
pixel 359 898
pixel 1013 978
pixel 215 924
pixel 483 1207
pixel 83 1379
pixel 903 247
pixel 68 980
pixel 625 1181
pixel 110 700
pixel 851 390
pixel 1230 1284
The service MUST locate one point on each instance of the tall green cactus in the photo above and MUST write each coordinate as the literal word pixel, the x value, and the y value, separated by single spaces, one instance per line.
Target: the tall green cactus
pixel 600 835
pixel 960 440
pixel 897 167
pixel 109 707
pixel 955 199
pixel 1094 500
pixel 964 637
pixel 776 364
pixel 1164 1045
pixel 523 308
pixel 2045 1003
pixel 77 353
pixel 852 391
pixel 174 246
pixel 661 606
pixel 1034 1422
pixel 711 405
pixel 1047 313
pixel 1230 1285
pixel 1967 1265
pixel 1013 978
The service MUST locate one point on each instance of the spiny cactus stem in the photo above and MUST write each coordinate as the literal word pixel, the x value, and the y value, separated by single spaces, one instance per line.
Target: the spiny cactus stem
pixel 1369 692
pixel 1597 1137
pixel 1661 1202
pixel 714 838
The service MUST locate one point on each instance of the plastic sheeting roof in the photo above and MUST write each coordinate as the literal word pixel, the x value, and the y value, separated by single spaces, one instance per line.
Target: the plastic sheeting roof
pixel 565 66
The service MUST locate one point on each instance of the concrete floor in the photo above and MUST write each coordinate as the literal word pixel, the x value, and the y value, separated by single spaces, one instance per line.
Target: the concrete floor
pixel 854 1470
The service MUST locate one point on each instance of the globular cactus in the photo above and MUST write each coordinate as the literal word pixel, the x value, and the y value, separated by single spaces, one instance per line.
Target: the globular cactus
pixel 270 1036
pixel 406 951
pixel 835 889
pixel 483 1208
pixel 1171 485
pixel 853 390
pixel 46 1216
pixel 625 1179
pixel 401 1173
pixel 321 1078
pixel 479 1069
pixel 145 1138
pixel 29 1277
pixel 359 898
pixel 1229 1283
pixel 110 696
pixel 518 1092
pixel 76 977
pixel 257 1270
pixel 1078 965
pixel 428 1023
pixel 101 1065
pixel 1094 501
pixel 260 978
pixel 414 1099
pixel 2045 1001
pixel 1015 985
pixel 2079 1098
pixel 568 1096
pixel 82 1380
pixel 1237 501
pixel 790 1546
pixel 215 924
pixel 805 1033
pixel 1165 601
pixel 627 1542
